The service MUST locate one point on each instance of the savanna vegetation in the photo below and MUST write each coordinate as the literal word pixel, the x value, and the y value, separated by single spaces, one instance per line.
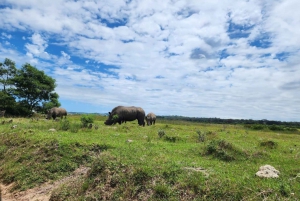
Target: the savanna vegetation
pixel 25 90
pixel 172 160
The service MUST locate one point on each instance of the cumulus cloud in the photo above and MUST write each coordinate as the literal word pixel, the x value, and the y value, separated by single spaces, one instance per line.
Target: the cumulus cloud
pixel 211 59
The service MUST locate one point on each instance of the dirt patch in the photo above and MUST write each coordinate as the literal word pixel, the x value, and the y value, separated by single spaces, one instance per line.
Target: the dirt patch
pixel 42 192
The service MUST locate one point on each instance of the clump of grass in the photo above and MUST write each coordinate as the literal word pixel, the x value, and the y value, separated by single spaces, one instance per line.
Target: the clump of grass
pixel 269 144
pixel 194 181
pixel 223 150
pixel 201 136
pixel 65 125
pixel 74 127
pixel 161 191
pixel 161 133
pixel 86 120
pixel 115 118
pixel 171 138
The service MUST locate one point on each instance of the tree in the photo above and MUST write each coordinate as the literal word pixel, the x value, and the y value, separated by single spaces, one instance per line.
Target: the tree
pixel 7 102
pixel 52 103
pixel 32 87
pixel 7 72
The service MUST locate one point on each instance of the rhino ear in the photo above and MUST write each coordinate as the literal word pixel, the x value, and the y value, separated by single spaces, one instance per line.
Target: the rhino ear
pixel 109 113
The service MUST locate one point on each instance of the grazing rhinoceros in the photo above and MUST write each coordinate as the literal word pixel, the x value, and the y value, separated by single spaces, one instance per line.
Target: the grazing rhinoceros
pixel 56 112
pixel 150 119
pixel 2 113
pixel 122 114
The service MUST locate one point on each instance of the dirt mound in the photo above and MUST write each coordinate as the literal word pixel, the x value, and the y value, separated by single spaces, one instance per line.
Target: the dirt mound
pixel 40 193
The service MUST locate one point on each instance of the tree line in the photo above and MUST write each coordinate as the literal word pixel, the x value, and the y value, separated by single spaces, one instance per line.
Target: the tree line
pixel 232 121
pixel 25 90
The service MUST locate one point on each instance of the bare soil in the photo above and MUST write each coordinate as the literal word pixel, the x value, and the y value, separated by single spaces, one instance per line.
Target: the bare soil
pixel 42 192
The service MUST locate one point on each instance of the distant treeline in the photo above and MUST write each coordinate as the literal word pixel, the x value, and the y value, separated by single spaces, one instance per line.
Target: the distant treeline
pixel 232 121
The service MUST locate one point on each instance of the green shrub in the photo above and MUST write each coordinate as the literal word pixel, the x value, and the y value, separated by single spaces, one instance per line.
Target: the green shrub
pixel 171 138
pixel 65 125
pixel 161 191
pixel 115 118
pixel 161 133
pixel 87 119
pixel 74 128
pixel 270 144
pixel 224 150
pixel 201 136
pixel 141 176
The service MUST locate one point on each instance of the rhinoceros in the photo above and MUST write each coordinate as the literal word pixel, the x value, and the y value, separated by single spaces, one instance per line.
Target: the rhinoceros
pixel 150 118
pixel 122 114
pixel 2 113
pixel 56 112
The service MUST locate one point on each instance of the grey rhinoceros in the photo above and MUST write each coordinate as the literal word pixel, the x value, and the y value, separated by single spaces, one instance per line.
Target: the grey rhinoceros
pixel 150 118
pixel 122 114
pixel 56 112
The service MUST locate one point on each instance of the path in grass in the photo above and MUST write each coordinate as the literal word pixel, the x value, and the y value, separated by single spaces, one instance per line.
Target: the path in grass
pixel 42 192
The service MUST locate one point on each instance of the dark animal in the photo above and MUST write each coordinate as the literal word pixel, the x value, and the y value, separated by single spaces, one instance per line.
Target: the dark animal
pixel 56 112
pixel 122 114
pixel 2 113
pixel 150 119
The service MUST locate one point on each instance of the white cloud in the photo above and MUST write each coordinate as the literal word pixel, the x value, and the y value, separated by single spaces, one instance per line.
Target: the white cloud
pixel 167 54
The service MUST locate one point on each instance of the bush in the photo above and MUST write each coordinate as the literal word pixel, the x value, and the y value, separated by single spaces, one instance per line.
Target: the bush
pixel 201 136
pixel 270 144
pixel 65 125
pixel 224 151
pixel 87 119
pixel 161 133
pixel 161 191
pixel 171 138
pixel 115 118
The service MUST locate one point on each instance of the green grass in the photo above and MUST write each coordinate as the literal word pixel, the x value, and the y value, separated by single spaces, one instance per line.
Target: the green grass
pixel 153 165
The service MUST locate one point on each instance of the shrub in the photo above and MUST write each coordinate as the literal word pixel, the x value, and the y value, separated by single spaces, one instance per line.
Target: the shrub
pixel 161 133
pixel 161 191
pixel 270 144
pixel 87 119
pixel 223 150
pixel 171 138
pixel 141 175
pixel 65 125
pixel 201 136
pixel 75 128
pixel 115 118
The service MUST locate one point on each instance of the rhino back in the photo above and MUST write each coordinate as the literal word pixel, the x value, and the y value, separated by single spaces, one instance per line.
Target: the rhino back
pixel 128 113
pixel 151 116
pixel 58 111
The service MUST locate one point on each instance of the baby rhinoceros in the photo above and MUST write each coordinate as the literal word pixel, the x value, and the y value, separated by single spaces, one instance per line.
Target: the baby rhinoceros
pixel 150 118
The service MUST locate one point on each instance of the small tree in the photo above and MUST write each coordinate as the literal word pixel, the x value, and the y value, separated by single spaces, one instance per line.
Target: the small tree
pixel 32 86
pixel 7 72
pixel 52 103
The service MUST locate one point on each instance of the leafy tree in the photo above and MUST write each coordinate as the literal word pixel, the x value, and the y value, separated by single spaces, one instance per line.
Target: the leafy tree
pixel 7 72
pixel 7 102
pixel 32 87
pixel 52 103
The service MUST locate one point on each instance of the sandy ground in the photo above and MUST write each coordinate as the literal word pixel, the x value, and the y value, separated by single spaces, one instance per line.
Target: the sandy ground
pixel 40 193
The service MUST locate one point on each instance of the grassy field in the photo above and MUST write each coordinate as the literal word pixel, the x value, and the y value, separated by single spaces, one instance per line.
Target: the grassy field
pixel 172 160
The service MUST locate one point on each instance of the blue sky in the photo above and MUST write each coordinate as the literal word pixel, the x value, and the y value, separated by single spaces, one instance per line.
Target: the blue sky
pixel 225 59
